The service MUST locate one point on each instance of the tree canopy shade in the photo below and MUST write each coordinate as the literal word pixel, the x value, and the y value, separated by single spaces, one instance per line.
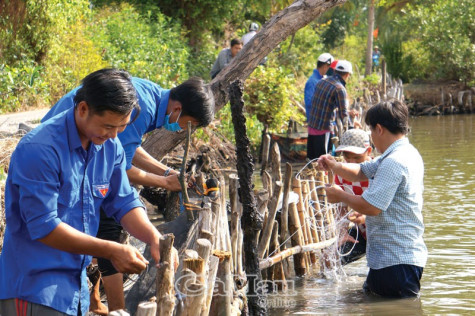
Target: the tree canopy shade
pixel 277 29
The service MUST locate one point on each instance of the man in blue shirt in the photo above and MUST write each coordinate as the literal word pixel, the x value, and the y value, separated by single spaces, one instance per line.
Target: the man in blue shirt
pixel 396 251
pixel 172 109
pixel 323 64
pixel 60 175
pixel 329 97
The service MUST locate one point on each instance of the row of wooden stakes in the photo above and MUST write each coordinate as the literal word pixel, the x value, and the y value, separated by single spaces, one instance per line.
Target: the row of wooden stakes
pixel 211 279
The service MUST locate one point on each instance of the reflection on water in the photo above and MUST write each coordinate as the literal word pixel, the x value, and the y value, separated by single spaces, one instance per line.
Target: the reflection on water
pixel 447 145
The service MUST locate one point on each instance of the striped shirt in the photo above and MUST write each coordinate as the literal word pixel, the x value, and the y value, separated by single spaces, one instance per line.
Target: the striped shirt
pixel 395 187
pixel 330 94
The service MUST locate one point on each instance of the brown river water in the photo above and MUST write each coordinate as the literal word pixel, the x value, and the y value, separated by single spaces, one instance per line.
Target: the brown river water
pixel 447 145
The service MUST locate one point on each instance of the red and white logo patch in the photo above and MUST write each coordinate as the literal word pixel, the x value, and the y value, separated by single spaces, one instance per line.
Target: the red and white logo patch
pixel 101 189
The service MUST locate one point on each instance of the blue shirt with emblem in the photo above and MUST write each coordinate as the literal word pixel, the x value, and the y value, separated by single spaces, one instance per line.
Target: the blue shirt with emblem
pixel 310 90
pixel 153 101
pixel 395 236
pixel 53 180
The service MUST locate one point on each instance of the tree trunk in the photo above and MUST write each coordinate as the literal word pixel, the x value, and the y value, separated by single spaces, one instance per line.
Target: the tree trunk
pixel 369 44
pixel 252 221
pixel 278 28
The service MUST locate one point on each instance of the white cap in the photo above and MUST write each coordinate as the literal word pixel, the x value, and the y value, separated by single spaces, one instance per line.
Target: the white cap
pixel 253 27
pixel 344 66
pixel 325 58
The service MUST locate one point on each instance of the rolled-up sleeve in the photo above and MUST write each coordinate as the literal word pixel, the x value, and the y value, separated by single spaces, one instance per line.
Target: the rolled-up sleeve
pixel 122 198
pixel 384 183
pixel 38 187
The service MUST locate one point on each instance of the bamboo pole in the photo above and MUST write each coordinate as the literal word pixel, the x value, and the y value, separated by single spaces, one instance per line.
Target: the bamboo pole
pixel 322 196
pixel 284 216
pixel 309 220
pixel 236 213
pixel 181 177
pixel 265 152
pixel 223 295
pixel 165 281
pixel 296 234
pixel 275 163
pixel 302 216
pixel 146 309
pixel 266 234
pixel 268 262
pixel 277 269
pixel 213 268
pixel 205 220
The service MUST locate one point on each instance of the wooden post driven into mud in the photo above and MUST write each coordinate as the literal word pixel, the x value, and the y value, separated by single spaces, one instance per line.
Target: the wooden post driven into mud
pixel 252 221
pixel 186 199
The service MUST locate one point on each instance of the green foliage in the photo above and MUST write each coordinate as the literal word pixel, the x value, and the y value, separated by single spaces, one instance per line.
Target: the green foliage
pixel 21 86
pixel 372 80
pixel 353 50
pixel 271 94
pixel 72 57
pixel 226 128
pixel 147 46
pixel 444 32
pixel 300 54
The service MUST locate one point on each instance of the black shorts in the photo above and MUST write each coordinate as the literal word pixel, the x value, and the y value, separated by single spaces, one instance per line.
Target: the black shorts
pixel 109 229
pixel 316 146
pixel 398 281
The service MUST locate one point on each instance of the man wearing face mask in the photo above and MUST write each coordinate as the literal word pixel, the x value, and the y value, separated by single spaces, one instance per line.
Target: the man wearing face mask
pixel 171 109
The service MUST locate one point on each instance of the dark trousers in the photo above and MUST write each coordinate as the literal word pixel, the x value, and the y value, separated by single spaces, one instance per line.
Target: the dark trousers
pixel 398 281
pixel 109 229
pixel 316 146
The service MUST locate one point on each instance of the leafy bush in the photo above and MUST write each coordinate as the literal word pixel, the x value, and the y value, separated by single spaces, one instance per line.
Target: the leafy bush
pixel 21 86
pixel 226 128
pixel 271 94
pixel 147 46
pixel 71 57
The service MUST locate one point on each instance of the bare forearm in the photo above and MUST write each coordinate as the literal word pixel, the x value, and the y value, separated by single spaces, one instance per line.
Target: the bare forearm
pixel 138 176
pixel 138 225
pixel 349 171
pixel 69 239
pixel 145 161
pixel 357 203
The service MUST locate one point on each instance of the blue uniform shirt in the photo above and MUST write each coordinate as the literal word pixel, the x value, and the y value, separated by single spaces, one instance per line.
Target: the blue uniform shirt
pixel 310 90
pixel 153 101
pixel 52 179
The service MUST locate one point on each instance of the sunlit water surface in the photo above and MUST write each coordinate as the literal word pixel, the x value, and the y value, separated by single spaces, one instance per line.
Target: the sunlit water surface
pixel 447 145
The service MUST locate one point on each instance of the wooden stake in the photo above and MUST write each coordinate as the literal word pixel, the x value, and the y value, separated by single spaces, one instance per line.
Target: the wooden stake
pixel 165 281
pixel 284 217
pixel 223 295
pixel 266 235
pixel 295 231
pixel 181 178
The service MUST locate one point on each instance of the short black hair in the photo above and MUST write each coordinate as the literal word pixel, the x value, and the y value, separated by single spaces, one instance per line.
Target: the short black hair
pixel 341 73
pixel 108 89
pixel 196 98
pixel 392 114
pixel 321 63
pixel 236 41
